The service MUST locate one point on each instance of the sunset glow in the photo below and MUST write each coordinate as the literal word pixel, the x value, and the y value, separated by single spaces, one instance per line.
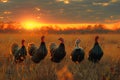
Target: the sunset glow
pixel 59 14
pixel 30 25
pixel 81 26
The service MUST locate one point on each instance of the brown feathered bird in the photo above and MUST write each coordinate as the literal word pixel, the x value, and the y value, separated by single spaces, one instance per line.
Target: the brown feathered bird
pixel 19 53
pixel 32 49
pixel 96 53
pixel 57 53
pixel 40 53
pixel 78 53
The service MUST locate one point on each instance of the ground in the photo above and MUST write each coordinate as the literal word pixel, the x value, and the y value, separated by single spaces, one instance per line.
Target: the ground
pixel 107 69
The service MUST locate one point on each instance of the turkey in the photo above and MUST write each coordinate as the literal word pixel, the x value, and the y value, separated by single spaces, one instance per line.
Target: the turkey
pixel 32 49
pixel 78 53
pixel 19 53
pixel 96 53
pixel 40 53
pixel 57 53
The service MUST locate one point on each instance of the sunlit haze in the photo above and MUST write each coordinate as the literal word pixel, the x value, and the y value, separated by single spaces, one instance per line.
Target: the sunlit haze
pixel 30 24
pixel 77 14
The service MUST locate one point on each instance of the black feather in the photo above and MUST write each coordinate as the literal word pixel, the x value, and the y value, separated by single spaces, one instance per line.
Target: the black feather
pixel 77 55
pixel 58 54
pixel 96 53
pixel 21 54
pixel 40 54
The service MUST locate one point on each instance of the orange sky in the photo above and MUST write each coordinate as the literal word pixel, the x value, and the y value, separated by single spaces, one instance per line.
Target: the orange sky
pixel 61 12
pixel 65 26
pixel 32 24
pixel 29 25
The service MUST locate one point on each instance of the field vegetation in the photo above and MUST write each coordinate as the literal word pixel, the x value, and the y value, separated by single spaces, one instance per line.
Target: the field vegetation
pixel 107 69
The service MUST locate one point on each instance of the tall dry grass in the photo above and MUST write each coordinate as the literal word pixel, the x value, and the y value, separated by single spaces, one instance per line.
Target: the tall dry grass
pixel 107 69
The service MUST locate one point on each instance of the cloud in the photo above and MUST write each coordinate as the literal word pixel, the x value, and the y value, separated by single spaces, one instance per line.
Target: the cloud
pixel 101 4
pixel 1 17
pixel 113 1
pixel 89 10
pixel 106 3
pixel 62 11
pixel 4 1
pixel 37 8
pixel 68 1
pixel 7 12
pixel 112 21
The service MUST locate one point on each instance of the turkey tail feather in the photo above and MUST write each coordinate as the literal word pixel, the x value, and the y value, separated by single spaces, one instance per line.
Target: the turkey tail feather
pixel 32 49
pixel 53 46
pixel 14 48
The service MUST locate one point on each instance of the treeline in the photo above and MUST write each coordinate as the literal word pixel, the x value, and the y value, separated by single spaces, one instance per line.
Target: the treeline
pixel 14 27
pixel 89 29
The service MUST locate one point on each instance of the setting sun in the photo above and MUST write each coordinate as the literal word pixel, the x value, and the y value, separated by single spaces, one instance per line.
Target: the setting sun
pixel 30 25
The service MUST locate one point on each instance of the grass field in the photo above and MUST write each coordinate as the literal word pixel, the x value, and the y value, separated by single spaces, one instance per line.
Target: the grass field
pixel 107 69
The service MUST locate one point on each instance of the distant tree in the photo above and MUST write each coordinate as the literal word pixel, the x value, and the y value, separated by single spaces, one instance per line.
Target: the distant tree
pixel 99 27
pixel 89 27
pixel 1 25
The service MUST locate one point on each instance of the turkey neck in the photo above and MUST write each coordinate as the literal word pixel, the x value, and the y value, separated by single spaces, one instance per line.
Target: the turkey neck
pixel 96 42
pixel 77 45
pixel 62 46
pixel 42 41
pixel 62 42
pixel 23 44
pixel 42 44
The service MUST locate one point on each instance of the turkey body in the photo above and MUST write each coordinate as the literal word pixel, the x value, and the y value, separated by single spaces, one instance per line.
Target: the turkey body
pixel 40 53
pixel 19 53
pixel 77 55
pixel 32 49
pixel 57 54
pixel 96 53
